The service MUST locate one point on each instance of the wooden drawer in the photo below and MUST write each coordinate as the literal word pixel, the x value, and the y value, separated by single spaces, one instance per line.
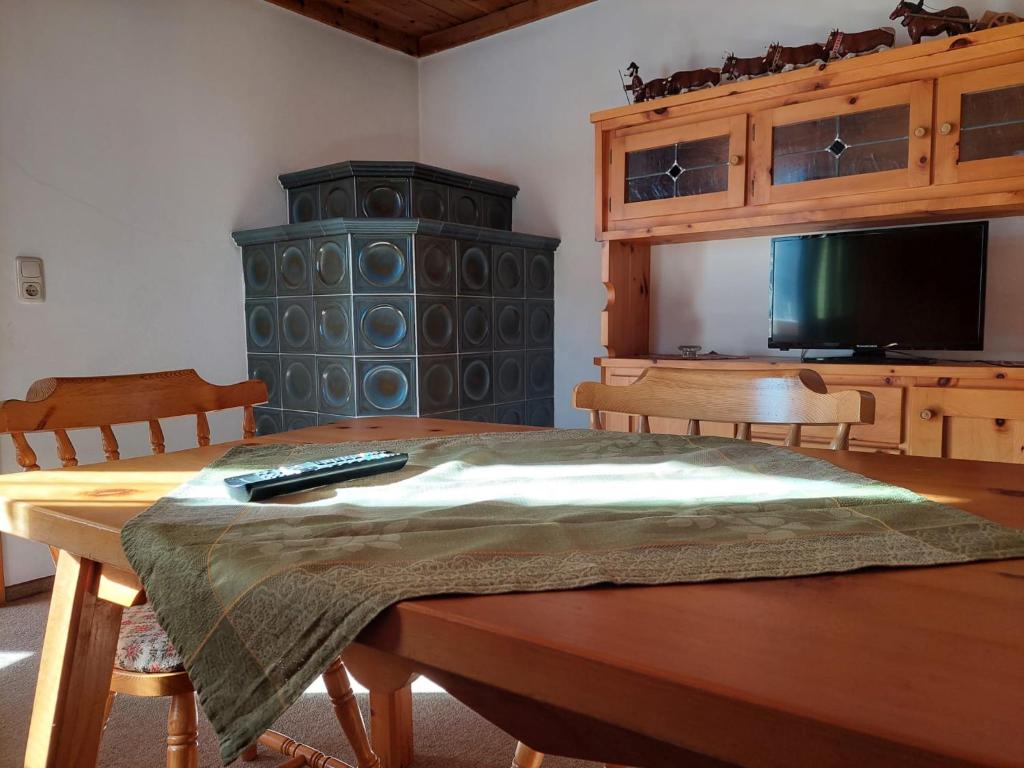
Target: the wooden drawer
pixel 966 423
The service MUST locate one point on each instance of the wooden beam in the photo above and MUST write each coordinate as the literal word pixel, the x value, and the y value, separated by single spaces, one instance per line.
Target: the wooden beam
pixel 498 21
pixel 346 20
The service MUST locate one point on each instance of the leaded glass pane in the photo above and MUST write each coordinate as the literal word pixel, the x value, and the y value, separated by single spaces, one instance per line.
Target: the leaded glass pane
pixel 842 145
pixel 993 124
pixel 678 170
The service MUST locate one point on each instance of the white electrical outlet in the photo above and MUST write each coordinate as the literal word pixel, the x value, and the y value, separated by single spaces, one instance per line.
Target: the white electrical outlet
pixel 29 270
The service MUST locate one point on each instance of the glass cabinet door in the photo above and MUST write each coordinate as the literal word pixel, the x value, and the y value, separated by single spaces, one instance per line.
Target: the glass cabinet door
pixel 844 145
pixel 695 167
pixel 980 122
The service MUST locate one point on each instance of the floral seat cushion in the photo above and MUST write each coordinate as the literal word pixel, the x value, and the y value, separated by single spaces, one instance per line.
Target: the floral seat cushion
pixel 143 646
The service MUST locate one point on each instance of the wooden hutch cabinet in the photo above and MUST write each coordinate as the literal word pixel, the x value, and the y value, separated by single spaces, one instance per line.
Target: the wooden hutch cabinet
pixel 980 118
pixel 931 132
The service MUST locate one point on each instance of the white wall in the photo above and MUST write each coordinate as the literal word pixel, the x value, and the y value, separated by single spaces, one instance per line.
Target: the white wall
pixel 516 107
pixel 135 135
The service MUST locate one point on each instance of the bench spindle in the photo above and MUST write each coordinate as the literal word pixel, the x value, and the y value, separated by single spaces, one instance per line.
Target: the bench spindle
pixel 110 447
pixel 202 430
pixel 156 436
pixel 65 449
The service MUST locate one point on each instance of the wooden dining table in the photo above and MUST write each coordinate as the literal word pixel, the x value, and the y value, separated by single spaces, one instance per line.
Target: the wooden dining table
pixel 897 667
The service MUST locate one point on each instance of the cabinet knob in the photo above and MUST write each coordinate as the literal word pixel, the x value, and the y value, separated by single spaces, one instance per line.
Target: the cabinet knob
pixel 946 128
pixel 926 415
pixel 920 132
pixel 735 159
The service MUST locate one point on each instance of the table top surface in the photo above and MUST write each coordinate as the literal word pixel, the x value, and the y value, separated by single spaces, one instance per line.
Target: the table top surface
pixel 924 661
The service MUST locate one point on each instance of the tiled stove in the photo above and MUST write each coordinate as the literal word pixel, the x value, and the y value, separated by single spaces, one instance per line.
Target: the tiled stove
pixel 357 308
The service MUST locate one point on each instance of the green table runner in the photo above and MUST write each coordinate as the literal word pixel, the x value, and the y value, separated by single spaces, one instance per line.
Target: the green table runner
pixel 260 598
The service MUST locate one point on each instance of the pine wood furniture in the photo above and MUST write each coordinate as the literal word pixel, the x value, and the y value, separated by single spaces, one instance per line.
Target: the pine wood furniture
pixel 926 132
pixel 916 667
pixel 984 423
pixel 738 399
pixel 100 402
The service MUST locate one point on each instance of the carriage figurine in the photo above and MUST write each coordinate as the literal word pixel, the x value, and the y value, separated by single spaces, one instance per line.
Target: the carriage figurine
pixel 954 20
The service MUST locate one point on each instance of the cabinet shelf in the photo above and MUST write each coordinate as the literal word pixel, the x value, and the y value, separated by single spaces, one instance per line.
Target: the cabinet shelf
pixel 851 143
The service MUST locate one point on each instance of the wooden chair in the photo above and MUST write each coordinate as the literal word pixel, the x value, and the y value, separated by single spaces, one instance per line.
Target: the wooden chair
pixel 146 664
pixel 792 398
pixel 742 398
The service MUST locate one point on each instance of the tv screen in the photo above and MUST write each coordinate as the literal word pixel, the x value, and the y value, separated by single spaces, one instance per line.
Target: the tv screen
pixel 904 288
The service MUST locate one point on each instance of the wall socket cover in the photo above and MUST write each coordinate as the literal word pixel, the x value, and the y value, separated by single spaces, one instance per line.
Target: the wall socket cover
pixel 29 273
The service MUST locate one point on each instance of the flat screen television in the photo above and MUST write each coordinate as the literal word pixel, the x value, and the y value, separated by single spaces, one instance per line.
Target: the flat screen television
pixel 872 290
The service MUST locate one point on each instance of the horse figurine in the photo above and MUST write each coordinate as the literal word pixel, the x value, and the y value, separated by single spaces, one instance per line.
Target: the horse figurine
pixel 921 23
pixel 736 68
pixel 693 79
pixel 783 57
pixel 842 44
pixel 642 91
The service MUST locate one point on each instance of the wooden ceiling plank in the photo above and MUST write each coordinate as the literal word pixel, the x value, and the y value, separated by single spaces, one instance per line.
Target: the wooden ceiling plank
pixel 490 6
pixel 463 10
pixel 498 21
pixel 348 21
pixel 409 16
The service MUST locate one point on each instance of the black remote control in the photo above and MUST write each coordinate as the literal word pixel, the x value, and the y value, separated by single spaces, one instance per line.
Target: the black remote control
pixel 257 486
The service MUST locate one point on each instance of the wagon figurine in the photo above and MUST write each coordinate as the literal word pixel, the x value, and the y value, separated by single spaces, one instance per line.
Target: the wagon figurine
pixel 991 19
pixel 954 20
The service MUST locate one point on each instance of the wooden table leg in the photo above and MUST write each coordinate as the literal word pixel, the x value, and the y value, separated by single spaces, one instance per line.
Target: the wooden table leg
pixel 389 682
pixel 391 726
pixel 75 668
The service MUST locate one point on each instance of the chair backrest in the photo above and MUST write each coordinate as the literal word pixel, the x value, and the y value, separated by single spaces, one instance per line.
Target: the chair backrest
pixel 797 398
pixel 59 404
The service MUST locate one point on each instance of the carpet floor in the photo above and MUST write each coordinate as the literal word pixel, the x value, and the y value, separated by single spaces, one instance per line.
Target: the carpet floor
pixel 446 732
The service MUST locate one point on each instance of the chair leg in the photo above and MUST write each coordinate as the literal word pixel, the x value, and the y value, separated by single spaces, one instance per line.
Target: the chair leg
pixel 183 731
pixel 526 757
pixel 301 754
pixel 346 709
pixel 107 708
pixel 250 753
